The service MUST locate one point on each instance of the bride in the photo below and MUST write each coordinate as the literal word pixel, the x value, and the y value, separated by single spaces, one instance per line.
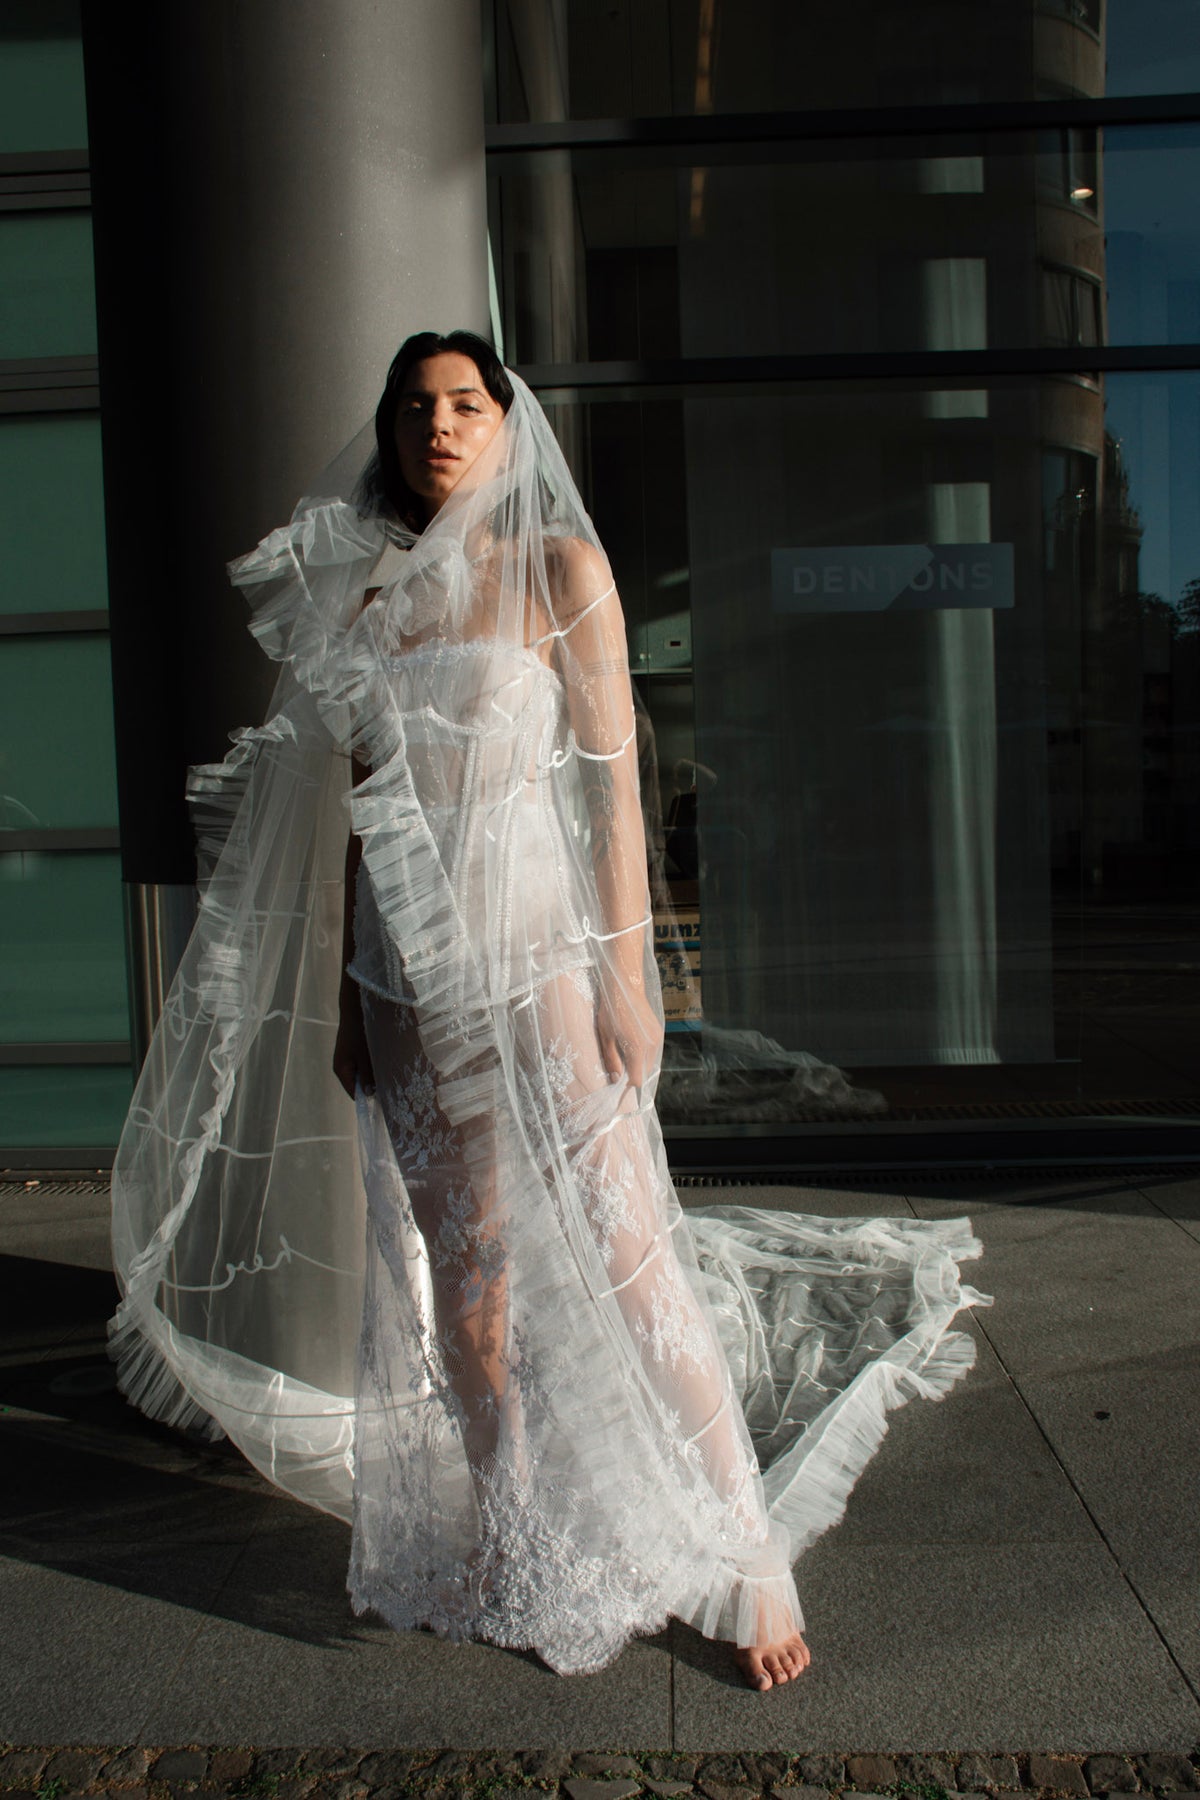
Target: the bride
pixel 555 1410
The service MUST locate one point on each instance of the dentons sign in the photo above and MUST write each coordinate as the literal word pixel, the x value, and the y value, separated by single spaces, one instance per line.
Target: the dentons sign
pixel 891 577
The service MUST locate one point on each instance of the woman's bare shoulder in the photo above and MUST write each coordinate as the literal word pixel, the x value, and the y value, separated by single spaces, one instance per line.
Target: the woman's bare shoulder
pixel 582 570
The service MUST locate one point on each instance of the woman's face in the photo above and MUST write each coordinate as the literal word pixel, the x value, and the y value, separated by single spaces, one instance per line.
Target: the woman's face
pixel 444 418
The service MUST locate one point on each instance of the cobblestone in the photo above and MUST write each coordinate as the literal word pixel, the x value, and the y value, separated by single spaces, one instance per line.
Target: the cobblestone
pixel 230 1765
pixel 728 1769
pixel 867 1772
pixel 919 1769
pixel 1058 1773
pixel 1170 1772
pixel 585 1788
pixel 180 1765
pixel 74 1769
pixel 190 1772
pixel 976 1771
pixel 17 1766
pixel 822 1771
pixel 1110 1775
pixel 593 1763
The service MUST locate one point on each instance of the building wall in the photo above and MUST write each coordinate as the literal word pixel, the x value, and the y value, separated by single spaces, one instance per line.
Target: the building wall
pixel 64 1054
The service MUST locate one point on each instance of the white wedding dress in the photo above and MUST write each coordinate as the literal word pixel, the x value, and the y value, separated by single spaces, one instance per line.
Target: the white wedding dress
pixel 475 1321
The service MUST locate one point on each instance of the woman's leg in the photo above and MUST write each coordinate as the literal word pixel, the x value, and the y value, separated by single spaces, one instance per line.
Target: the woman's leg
pixel 454 1212
pixel 593 1129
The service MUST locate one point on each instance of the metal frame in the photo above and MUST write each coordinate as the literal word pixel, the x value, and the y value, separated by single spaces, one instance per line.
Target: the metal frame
pixel 81 1053
pixel 45 180
pixel 39 384
pixel 824 366
pixel 763 129
pixel 93 621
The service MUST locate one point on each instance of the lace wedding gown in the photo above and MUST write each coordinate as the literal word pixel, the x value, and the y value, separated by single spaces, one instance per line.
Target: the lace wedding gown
pixel 556 1409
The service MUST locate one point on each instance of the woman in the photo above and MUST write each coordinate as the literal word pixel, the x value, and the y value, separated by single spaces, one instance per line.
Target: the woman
pixel 546 1432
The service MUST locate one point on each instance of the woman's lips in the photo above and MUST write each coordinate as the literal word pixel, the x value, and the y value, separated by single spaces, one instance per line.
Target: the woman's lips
pixel 440 456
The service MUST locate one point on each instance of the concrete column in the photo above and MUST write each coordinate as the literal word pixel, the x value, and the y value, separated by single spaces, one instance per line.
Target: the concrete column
pixel 284 190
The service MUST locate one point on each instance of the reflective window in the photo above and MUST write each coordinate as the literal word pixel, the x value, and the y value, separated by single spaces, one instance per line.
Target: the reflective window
pixel 589 59
pixel 62 1106
pixel 1011 240
pixel 923 670
pixel 63 974
pixel 50 466
pixel 42 104
pixel 47 286
pixel 57 766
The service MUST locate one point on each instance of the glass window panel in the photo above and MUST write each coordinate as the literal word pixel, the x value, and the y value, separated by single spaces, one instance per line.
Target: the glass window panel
pixel 42 104
pixel 62 966
pixel 823 248
pixel 63 1108
pixel 588 59
pixel 49 465
pixel 926 694
pixel 57 763
pixel 47 289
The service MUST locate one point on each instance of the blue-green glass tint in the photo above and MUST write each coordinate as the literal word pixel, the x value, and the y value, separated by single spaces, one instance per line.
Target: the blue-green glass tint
pixel 63 1108
pixel 52 520
pixel 57 764
pixel 47 286
pixel 42 104
pixel 62 966
pixel 1152 233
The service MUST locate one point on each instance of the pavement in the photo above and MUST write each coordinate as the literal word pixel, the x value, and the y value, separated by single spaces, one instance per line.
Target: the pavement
pixel 1018 1570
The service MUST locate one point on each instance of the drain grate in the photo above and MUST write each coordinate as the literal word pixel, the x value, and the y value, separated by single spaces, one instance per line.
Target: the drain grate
pixel 51 1189
pixel 1186 1107
pixel 1131 1174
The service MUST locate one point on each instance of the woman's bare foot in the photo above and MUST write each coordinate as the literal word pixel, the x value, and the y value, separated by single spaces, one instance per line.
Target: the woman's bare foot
pixel 770 1665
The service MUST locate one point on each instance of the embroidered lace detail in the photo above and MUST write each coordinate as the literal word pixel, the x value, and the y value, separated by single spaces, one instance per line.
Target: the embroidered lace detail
pixel 608 1198
pixel 674 1331
pixel 414 1118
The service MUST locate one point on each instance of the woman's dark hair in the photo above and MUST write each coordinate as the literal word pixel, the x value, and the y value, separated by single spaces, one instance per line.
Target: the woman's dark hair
pixel 383 488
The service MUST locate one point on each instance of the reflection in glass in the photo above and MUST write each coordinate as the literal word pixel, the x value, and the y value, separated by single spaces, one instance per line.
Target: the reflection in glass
pixel 1028 240
pixel 943 842
pixel 579 59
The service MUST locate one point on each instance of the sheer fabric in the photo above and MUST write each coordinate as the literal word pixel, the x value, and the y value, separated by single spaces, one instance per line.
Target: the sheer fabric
pixel 473 1320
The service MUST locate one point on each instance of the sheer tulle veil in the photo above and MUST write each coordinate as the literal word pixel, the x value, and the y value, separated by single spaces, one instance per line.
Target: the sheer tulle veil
pixel 686 1400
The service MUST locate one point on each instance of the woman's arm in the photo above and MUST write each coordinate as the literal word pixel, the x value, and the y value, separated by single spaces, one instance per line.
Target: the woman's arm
pixel 592 657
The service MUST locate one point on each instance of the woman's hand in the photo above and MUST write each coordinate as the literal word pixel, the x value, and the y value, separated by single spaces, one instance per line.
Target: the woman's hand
pixel 630 1032
pixel 351 1058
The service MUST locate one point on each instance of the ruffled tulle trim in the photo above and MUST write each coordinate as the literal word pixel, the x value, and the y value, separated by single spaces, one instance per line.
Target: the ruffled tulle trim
pixel 808 1484
pixel 149 1382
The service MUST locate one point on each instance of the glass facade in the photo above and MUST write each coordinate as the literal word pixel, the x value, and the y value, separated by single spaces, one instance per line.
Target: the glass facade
pixel 64 1017
pixel 890 422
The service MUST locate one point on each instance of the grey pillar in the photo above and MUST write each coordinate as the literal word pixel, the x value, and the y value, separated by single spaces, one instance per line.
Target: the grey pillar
pixel 283 190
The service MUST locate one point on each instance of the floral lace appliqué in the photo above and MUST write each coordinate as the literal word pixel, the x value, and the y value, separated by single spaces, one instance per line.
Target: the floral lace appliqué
pixel 674 1331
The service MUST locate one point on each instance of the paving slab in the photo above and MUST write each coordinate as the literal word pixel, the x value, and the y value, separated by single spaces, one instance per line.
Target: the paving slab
pixel 971 1468
pixel 244 1684
pixel 1008 1570
pixel 1121 1432
pixel 952 1646
pixel 1180 1200
pixel 96 1640
pixel 69 1230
